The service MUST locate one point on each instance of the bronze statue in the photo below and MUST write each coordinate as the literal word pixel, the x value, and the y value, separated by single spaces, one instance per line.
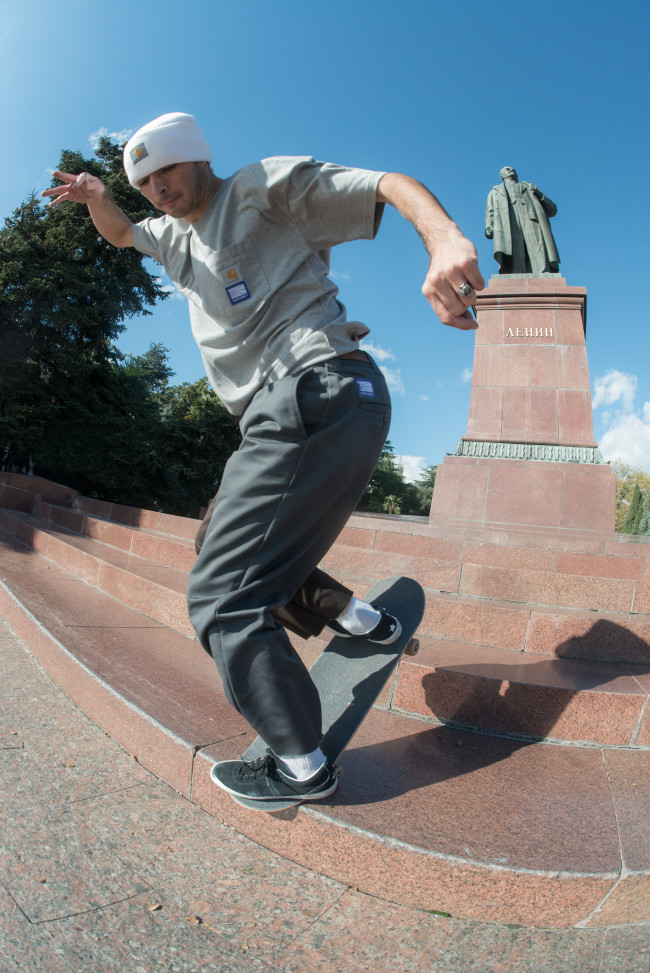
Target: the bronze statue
pixel 517 218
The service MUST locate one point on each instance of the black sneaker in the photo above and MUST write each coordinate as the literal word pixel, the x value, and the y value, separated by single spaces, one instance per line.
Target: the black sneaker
pixel 387 630
pixel 263 780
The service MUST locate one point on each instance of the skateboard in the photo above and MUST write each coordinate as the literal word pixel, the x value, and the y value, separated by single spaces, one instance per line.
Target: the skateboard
pixel 349 675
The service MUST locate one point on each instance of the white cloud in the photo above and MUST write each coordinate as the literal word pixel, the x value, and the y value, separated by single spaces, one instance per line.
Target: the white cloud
pixel 627 430
pixel 394 381
pixel 377 352
pixel 628 439
pixel 393 376
pixel 339 275
pixel 413 466
pixel 423 398
pixel 466 375
pixel 614 387
pixel 169 288
pixel 118 137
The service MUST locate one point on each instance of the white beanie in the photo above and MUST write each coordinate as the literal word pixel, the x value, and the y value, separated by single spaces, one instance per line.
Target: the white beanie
pixel 166 140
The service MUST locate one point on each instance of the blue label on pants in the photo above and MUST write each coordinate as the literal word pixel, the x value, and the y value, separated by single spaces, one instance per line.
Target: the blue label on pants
pixel 366 389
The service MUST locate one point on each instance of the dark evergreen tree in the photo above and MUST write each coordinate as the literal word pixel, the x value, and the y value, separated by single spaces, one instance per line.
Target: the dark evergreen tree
pixel 634 514
pixel 64 296
pixel 198 437
pixel 644 522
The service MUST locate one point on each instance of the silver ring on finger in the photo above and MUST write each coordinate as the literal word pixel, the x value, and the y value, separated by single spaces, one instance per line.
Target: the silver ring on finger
pixel 464 290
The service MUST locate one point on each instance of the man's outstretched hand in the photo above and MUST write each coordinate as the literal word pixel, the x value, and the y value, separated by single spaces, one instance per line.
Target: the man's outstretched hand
pixel 83 188
pixel 454 262
pixel 453 258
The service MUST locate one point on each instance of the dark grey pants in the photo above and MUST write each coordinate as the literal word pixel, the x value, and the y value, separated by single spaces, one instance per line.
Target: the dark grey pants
pixel 310 445
pixel 319 599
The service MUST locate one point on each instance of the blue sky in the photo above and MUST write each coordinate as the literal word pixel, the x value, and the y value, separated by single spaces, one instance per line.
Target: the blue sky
pixel 448 92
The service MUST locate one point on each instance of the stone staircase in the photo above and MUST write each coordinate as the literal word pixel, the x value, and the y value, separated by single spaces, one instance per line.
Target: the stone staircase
pixel 504 774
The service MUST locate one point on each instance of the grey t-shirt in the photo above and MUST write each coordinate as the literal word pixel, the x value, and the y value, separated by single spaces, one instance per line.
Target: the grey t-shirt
pixel 255 269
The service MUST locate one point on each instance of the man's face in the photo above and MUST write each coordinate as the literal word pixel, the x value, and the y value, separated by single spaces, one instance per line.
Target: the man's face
pixel 178 190
pixel 508 173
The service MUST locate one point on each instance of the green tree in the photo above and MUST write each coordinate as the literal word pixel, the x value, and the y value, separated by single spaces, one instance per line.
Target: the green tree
pixel 627 479
pixel 107 442
pixel 389 492
pixel 424 487
pixel 644 522
pixel 65 294
pixel 198 437
pixel 153 368
pixel 386 481
pixel 634 513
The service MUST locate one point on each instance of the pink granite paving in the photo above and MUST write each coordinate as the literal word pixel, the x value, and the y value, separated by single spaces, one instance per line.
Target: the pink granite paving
pixel 25 947
pixel 437 549
pixel 242 891
pixel 145 585
pixel 642 597
pixel 48 886
pixel 629 773
pixel 367 929
pixel 216 901
pixel 498 555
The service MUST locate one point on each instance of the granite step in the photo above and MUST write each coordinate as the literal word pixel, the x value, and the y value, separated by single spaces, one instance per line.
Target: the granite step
pixel 592 582
pixel 470 824
pixel 19 492
pixel 499 621
pixel 526 694
pixel 141 583
pixel 496 591
pixel 487 687
pixel 151 688
pixel 477 825
pixel 151 543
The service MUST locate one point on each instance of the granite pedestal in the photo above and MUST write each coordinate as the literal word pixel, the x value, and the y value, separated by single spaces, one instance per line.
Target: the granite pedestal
pixel 529 456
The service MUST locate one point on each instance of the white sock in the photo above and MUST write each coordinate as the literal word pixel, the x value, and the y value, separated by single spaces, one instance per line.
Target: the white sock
pixel 359 618
pixel 302 768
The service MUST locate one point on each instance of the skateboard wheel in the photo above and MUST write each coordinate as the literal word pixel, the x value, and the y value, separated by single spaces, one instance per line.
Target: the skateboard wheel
pixel 413 647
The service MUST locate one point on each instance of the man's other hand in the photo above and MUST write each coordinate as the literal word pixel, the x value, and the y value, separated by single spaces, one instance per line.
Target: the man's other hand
pixel 83 188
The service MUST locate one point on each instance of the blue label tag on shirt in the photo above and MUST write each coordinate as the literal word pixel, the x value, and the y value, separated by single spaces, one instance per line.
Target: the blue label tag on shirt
pixel 238 292
pixel 366 389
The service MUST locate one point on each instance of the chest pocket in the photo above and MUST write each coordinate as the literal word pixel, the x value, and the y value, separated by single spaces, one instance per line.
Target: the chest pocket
pixel 230 284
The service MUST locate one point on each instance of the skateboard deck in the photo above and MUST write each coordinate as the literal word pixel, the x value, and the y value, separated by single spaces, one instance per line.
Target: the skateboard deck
pixel 349 675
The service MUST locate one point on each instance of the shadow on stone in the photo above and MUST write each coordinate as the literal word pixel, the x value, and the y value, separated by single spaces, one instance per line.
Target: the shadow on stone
pixel 606 640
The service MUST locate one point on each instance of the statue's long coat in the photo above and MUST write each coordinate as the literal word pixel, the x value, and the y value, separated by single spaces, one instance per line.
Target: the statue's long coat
pixel 497 216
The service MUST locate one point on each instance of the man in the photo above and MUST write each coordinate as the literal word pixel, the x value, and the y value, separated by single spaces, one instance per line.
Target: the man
pixel 251 253
pixel 517 219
